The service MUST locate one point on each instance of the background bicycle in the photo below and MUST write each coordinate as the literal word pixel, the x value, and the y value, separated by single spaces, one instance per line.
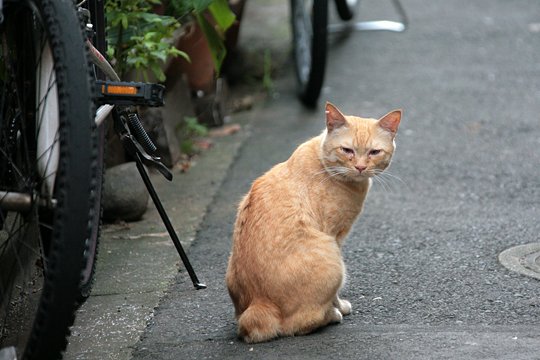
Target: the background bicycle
pixel 310 30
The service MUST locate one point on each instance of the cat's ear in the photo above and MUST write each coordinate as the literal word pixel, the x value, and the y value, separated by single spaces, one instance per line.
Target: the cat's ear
pixel 390 121
pixel 334 118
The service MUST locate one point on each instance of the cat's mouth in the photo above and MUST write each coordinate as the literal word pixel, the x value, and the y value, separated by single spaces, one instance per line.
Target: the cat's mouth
pixel 348 174
pixel 361 175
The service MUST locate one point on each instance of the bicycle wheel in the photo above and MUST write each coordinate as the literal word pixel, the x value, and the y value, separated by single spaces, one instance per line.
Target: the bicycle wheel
pixel 309 21
pixel 47 171
pixel 346 8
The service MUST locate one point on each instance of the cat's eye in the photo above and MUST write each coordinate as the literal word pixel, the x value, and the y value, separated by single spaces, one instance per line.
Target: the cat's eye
pixel 375 152
pixel 347 151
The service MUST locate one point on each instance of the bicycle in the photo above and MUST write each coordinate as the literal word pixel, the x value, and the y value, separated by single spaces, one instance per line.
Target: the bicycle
pixel 51 166
pixel 310 29
pixel 47 167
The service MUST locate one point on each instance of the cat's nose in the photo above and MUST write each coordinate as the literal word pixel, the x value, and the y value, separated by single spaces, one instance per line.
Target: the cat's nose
pixel 360 168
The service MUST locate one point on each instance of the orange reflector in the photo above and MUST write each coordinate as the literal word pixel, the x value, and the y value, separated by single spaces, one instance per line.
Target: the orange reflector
pixel 119 90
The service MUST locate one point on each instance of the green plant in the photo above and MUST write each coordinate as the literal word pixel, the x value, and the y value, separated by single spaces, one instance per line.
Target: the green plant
pixel 136 36
pixel 222 18
pixel 268 84
pixel 190 130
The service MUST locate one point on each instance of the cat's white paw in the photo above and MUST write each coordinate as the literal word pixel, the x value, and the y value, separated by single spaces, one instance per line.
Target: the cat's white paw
pixel 336 316
pixel 344 306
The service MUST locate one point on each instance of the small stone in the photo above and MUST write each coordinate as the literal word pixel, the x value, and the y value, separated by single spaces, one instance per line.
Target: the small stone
pixel 124 195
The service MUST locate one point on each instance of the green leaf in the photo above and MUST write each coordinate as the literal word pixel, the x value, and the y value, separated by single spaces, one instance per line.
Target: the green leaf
pixel 151 17
pixel 161 55
pixel 217 47
pixel 200 5
pixel 156 69
pixel 149 35
pixel 176 52
pixel 222 14
pixel 124 21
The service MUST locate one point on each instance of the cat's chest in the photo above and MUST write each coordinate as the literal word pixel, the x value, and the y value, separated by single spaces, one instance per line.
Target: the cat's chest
pixel 338 210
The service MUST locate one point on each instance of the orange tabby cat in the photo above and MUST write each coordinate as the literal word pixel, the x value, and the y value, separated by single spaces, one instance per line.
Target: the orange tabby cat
pixel 286 269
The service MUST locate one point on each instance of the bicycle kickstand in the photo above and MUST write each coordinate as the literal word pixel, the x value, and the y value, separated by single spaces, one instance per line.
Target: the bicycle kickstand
pixel 172 233
pixel 138 144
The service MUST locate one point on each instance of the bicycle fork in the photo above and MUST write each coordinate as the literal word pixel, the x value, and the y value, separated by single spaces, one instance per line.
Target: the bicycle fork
pixel 138 144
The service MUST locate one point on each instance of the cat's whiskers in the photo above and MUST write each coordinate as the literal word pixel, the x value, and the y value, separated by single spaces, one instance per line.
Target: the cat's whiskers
pixel 322 171
pixel 386 179
pixel 375 174
pixel 390 175
pixel 381 181
pixel 332 172
pixel 339 170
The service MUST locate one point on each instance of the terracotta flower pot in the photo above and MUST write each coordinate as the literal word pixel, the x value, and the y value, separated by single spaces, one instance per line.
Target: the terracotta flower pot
pixel 200 71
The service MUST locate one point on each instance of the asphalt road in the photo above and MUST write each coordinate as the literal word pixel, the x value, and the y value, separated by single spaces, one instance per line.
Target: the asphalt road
pixel 423 275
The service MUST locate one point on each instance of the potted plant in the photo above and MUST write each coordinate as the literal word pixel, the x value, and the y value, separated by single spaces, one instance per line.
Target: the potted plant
pixel 205 24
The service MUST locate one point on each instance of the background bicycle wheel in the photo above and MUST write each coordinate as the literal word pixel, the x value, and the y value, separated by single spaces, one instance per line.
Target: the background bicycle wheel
pixel 309 21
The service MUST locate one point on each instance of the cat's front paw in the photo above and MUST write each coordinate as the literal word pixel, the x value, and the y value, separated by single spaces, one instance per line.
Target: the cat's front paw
pixel 335 316
pixel 344 306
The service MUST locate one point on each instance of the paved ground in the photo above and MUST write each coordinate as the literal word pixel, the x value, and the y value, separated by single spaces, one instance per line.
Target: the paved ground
pixel 424 277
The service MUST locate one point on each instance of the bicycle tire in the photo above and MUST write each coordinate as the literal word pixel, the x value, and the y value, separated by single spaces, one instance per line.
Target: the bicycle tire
pixel 309 25
pixel 97 12
pixel 43 247
pixel 92 246
pixel 346 9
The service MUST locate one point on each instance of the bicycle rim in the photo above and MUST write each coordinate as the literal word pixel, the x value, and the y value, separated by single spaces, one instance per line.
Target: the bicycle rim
pixel 309 24
pixel 47 156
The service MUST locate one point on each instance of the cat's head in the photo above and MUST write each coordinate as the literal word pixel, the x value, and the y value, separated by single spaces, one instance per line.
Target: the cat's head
pixel 355 148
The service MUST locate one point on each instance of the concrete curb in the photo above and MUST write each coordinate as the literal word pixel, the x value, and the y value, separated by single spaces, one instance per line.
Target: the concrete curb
pixel 138 261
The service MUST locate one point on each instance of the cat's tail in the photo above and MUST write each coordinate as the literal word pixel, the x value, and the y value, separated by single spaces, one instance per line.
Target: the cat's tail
pixel 259 322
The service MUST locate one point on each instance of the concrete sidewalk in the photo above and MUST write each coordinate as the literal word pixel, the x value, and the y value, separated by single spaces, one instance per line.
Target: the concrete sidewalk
pixel 137 261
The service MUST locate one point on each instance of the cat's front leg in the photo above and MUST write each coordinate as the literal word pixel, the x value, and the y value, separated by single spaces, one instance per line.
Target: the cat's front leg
pixel 343 306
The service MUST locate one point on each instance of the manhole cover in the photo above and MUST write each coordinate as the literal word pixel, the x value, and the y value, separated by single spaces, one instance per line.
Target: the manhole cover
pixel 524 259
